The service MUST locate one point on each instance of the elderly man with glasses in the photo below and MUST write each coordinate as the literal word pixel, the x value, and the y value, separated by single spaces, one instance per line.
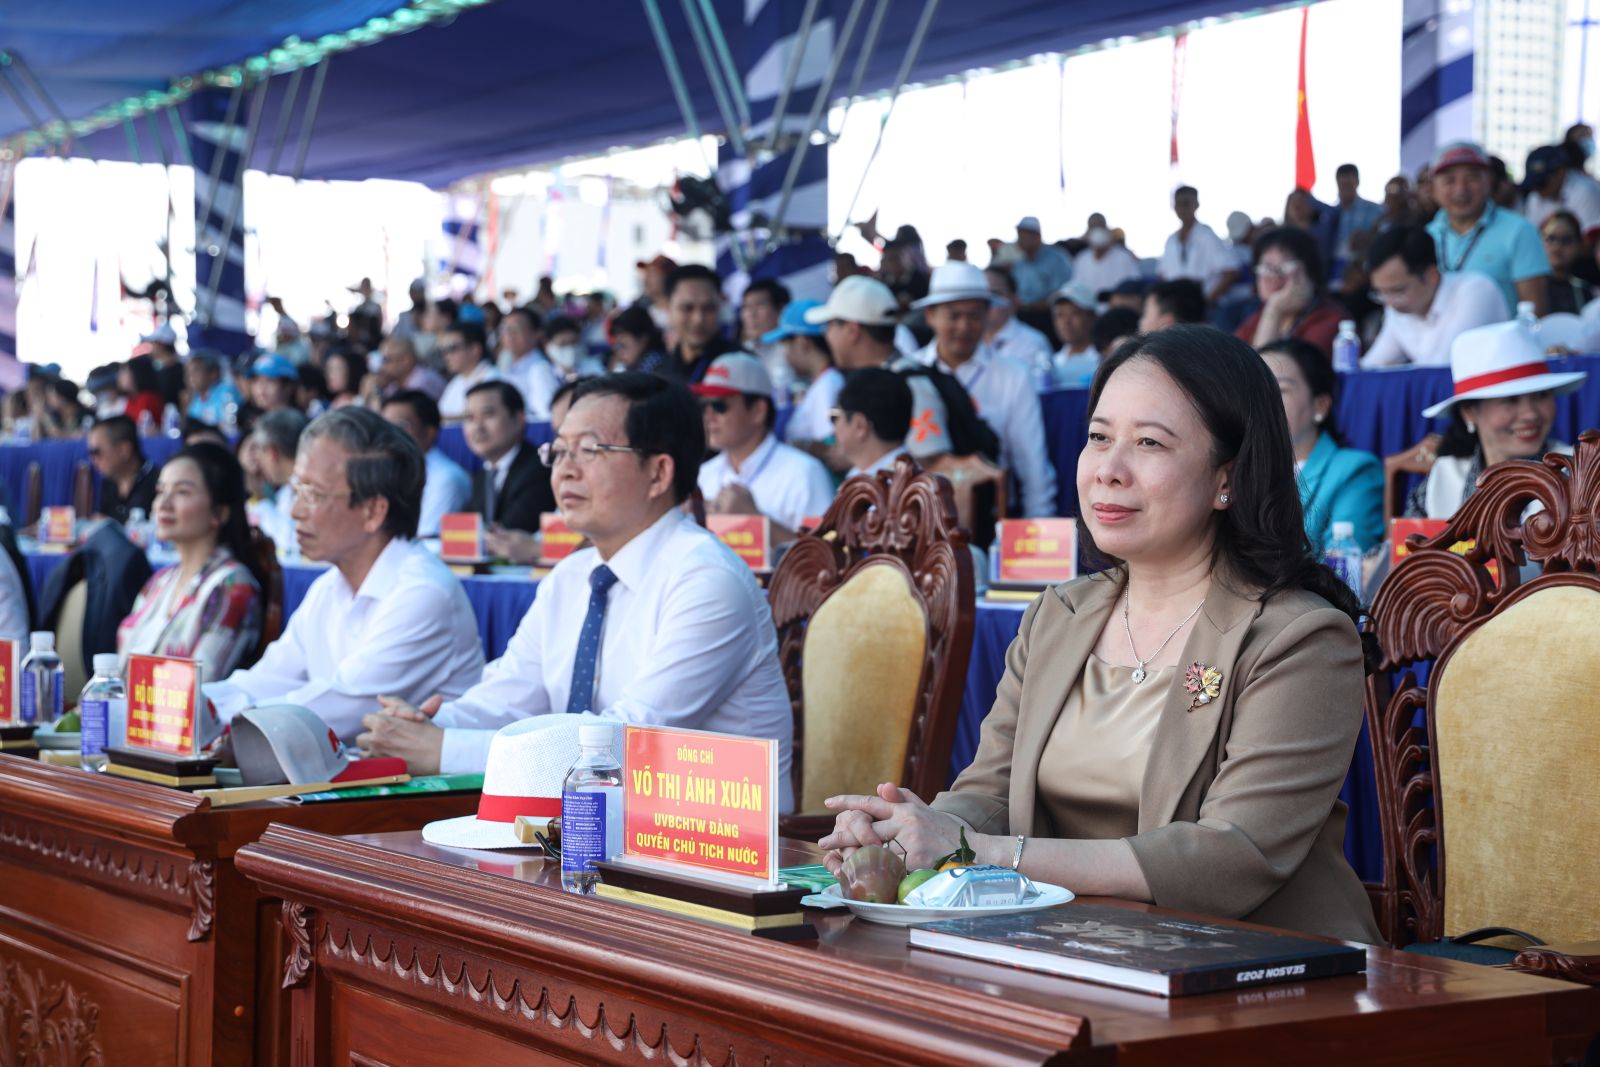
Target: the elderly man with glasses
pixel 657 622
pixel 387 618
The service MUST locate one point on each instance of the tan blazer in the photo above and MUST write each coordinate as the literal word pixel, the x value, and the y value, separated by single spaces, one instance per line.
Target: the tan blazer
pixel 1239 813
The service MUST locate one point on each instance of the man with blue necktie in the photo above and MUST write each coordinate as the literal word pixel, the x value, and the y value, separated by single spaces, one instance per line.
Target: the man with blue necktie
pixel 656 623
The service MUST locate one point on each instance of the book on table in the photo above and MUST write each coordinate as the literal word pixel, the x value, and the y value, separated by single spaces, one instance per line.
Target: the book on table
pixel 1144 951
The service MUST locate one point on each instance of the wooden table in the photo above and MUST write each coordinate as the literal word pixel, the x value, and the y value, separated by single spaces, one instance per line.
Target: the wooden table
pixel 126 935
pixel 405 953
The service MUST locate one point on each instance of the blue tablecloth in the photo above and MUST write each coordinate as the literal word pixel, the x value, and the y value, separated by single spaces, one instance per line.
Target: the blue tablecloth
pixel 995 627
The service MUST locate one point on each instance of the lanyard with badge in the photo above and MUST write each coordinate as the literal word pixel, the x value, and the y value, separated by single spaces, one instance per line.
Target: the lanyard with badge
pixel 749 482
pixel 1477 233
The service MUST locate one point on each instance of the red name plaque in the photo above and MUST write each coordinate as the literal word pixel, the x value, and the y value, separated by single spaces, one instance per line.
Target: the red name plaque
pixel 9 655
pixel 1036 552
pixel 58 525
pixel 701 803
pixel 750 537
pixel 557 540
pixel 1402 529
pixel 461 537
pixel 163 698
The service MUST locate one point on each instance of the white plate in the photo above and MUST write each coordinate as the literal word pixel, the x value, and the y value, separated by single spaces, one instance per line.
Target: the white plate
pixel 902 915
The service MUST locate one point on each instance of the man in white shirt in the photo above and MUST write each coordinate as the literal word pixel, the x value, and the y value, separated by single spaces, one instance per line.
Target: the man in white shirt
pixel 447 486
pixel 1104 264
pixel 957 306
pixel 387 617
pixel 1007 334
pixel 871 421
pixel 526 365
pixel 1195 251
pixel 657 623
pixel 1546 190
pixel 1424 312
pixel 462 346
pixel 754 473
pixel 810 366
pixel 1074 313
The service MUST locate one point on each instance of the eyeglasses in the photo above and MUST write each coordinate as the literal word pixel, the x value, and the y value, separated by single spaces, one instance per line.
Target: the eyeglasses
pixel 313 499
pixel 1557 238
pixel 1286 270
pixel 553 453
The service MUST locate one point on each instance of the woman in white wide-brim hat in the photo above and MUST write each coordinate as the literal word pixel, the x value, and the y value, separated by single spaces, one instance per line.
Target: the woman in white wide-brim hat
pixel 1502 408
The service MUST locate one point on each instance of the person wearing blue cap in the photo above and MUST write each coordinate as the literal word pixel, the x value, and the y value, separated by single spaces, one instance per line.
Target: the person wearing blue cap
pixel 809 357
pixel 273 381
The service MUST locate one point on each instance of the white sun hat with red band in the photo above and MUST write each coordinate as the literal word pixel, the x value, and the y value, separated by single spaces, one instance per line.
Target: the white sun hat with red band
pixel 528 760
pixel 1501 360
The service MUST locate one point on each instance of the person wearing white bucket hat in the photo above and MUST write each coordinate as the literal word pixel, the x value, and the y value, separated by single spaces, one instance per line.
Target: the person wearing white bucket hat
pixel 1502 407
pixel 1002 389
pixel 657 622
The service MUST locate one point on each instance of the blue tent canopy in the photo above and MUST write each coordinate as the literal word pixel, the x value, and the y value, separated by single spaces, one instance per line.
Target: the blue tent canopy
pixel 502 85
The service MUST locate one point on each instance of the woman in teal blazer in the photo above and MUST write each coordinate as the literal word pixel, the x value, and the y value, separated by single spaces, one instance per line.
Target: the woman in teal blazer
pixel 1336 484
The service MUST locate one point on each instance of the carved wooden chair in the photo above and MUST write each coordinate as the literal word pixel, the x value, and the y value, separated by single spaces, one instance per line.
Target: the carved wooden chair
pixel 1418 459
pixel 874 611
pixel 33 494
pixel 272 596
pixel 83 489
pixel 1489 800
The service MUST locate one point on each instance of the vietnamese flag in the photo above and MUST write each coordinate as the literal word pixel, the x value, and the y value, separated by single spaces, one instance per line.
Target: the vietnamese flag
pixel 1305 161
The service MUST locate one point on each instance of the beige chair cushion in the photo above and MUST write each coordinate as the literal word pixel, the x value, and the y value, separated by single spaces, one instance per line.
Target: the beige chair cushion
pixel 863 662
pixel 1517 732
pixel 69 642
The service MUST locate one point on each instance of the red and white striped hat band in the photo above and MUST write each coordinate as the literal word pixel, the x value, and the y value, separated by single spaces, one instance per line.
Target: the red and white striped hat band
pixel 528 761
pixel 1502 360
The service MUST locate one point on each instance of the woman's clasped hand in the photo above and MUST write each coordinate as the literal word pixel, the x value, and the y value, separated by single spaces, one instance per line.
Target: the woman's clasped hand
pixel 893 815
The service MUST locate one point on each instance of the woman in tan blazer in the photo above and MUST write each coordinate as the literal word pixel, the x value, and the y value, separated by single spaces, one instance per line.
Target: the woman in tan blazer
pixel 1175 729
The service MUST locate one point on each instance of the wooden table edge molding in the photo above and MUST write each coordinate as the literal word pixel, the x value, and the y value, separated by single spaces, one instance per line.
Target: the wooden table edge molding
pixel 635 959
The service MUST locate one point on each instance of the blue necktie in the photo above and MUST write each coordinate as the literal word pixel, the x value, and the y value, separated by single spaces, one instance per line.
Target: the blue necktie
pixel 581 696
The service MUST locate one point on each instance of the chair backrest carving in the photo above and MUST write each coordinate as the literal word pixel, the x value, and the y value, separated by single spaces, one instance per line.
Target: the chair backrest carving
pixel 902 520
pixel 1488 659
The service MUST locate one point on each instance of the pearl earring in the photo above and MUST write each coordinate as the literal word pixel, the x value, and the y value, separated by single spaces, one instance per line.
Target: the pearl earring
pixel 1317 419
pixel 1223 498
pixel 1472 427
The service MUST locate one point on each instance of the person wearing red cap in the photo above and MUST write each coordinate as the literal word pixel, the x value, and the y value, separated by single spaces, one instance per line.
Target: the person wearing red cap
pixel 1471 233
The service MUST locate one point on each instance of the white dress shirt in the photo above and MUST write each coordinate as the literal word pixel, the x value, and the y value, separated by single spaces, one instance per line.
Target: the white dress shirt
pixel 1464 300
pixel 1017 340
pixel 688 643
pixel 537 379
pixel 1075 370
pixel 446 490
pixel 1118 265
pixel 453 401
pixel 1002 391
pixel 13 604
pixel 1204 257
pixel 809 421
pixel 786 484
pixel 882 463
pixel 272 517
pixel 407 632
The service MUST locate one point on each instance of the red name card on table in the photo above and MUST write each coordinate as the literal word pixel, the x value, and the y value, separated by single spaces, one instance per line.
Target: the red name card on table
pixel 1402 529
pixel 9 655
pixel 701 803
pixel 557 540
pixel 461 537
pixel 58 525
pixel 163 698
pixel 1036 552
pixel 750 537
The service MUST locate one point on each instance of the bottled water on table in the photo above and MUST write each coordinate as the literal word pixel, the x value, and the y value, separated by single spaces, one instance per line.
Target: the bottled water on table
pixel 1347 348
pixel 591 808
pixel 1526 316
pixel 104 701
pixel 40 701
pixel 1344 556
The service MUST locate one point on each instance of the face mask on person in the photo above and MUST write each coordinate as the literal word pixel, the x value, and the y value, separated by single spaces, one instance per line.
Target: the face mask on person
pixel 1586 146
pixel 564 356
pixel 1099 238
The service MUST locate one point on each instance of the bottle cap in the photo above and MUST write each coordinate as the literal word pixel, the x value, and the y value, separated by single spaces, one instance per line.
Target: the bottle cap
pixel 42 640
pixel 108 664
pixel 597 734
pixel 1342 530
pixel 1347 324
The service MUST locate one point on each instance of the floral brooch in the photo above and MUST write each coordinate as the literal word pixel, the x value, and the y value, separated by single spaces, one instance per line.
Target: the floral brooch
pixel 1203 683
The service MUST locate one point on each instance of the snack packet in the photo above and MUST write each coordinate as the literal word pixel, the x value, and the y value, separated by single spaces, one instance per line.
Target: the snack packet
pixel 969 887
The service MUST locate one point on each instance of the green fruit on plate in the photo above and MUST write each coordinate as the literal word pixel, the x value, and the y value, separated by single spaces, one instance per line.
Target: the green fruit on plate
pixel 911 881
pixel 69 723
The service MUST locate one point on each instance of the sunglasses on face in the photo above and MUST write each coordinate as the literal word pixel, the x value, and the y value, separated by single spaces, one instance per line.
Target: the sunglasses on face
pixel 716 405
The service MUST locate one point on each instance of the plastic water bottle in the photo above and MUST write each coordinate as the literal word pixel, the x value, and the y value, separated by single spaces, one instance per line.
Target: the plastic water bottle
pixel 42 679
pixel 104 699
pixel 137 529
pixel 1526 316
pixel 147 426
pixel 171 421
pixel 591 808
pixel 1347 348
pixel 1344 556
pixel 1044 373
pixel 230 419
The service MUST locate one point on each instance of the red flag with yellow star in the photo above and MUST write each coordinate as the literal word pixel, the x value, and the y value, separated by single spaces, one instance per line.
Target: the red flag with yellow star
pixel 1305 161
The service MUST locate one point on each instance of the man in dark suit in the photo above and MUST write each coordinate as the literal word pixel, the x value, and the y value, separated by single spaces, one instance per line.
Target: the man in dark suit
pixel 512 489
